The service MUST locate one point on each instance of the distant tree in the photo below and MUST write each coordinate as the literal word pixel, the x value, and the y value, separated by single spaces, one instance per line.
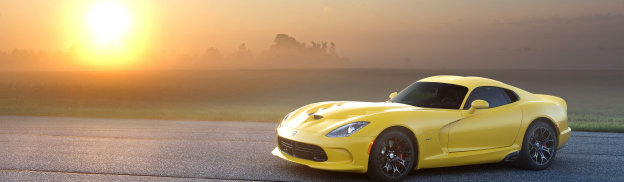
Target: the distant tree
pixel 243 50
pixel 332 48
pixel 286 49
pixel 23 54
pixel 285 42
pixel 212 54
pixel 242 54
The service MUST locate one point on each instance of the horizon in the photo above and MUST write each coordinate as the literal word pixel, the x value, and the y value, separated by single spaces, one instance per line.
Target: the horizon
pixel 107 71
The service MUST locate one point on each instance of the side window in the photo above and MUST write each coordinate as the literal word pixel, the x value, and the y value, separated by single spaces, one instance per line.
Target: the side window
pixel 513 97
pixel 495 96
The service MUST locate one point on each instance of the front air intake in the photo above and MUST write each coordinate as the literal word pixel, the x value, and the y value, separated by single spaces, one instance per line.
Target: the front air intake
pixel 301 150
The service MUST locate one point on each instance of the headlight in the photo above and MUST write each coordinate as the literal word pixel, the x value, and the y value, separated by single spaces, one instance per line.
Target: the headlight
pixel 285 118
pixel 348 129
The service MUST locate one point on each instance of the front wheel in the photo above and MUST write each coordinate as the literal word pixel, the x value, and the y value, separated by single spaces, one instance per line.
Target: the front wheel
pixel 392 156
pixel 539 147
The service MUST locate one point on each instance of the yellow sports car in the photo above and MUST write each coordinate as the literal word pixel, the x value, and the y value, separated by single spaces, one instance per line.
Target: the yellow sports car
pixel 438 121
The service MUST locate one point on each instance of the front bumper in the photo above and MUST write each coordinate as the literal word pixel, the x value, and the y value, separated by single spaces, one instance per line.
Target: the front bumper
pixel 349 154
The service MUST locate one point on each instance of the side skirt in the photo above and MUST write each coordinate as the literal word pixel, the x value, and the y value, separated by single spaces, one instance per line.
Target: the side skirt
pixel 512 157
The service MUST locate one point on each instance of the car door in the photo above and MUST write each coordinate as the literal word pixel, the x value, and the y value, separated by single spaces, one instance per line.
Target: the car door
pixel 496 126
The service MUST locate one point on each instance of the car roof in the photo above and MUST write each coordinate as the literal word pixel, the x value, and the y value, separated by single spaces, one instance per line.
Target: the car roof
pixel 467 81
pixel 473 81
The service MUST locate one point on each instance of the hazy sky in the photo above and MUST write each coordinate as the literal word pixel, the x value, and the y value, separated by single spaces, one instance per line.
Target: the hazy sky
pixel 419 34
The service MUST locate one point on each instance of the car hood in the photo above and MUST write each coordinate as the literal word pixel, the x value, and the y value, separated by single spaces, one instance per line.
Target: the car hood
pixel 329 115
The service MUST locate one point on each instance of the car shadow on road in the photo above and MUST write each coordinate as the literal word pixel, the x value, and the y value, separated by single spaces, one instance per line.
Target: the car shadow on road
pixel 495 170
pixel 464 170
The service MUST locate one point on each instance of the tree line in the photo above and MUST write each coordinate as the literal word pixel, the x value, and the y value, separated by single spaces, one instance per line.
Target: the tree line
pixel 286 51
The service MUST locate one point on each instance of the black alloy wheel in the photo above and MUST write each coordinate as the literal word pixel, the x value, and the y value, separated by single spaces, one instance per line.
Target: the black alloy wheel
pixel 392 156
pixel 539 147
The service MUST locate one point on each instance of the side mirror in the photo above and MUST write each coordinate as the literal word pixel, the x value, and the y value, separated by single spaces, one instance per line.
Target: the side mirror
pixel 393 94
pixel 478 104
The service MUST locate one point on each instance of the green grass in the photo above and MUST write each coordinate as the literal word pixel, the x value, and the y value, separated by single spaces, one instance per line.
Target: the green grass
pixel 593 97
pixel 590 122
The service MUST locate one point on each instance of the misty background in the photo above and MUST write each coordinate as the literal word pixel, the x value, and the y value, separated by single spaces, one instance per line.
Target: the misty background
pixel 229 60
pixel 482 34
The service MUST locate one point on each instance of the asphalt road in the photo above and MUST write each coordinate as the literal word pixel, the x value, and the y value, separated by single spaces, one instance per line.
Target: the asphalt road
pixel 80 149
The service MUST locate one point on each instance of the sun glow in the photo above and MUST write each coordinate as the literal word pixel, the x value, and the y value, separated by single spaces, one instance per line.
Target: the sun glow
pixel 112 34
pixel 109 23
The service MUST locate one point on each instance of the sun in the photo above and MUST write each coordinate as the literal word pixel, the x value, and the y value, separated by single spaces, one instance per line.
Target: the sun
pixel 110 34
pixel 109 23
pixel 111 37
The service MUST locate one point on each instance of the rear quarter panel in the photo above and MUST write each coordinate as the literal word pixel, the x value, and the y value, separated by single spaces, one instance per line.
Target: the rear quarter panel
pixel 545 106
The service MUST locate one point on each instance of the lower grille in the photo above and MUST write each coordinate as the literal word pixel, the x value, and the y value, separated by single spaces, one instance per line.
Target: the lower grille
pixel 301 150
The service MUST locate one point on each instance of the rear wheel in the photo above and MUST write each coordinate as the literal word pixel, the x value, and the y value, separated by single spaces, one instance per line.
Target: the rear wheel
pixel 539 147
pixel 392 156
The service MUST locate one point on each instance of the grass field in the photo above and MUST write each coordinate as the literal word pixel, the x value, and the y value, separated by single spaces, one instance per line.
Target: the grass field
pixel 594 97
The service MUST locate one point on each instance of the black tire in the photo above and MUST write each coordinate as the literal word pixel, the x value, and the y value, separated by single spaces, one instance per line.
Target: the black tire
pixel 539 147
pixel 392 156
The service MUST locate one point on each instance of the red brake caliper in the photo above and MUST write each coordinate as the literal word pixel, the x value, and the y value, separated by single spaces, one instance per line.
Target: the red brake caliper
pixel 400 155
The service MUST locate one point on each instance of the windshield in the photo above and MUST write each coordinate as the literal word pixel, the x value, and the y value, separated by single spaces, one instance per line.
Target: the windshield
pixel 432 95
